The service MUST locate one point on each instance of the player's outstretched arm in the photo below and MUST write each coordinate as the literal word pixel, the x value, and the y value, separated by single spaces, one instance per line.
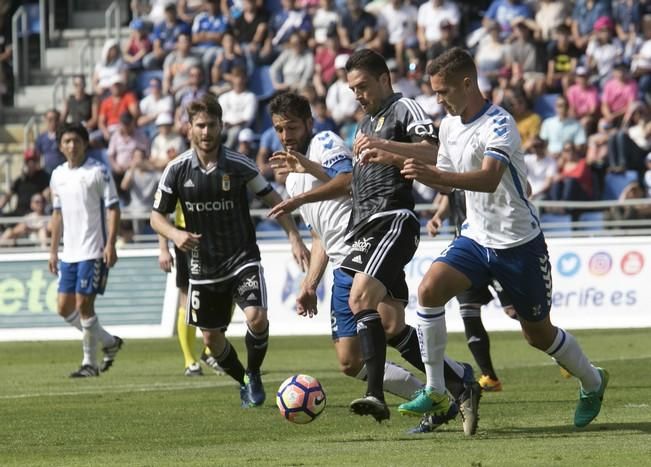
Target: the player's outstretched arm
pixel 384 151
pixel 484 180
pixel 56 222
pixel 306 300
pixel 299 250
pixel 165 260
pixel 110 255
pixel 284 162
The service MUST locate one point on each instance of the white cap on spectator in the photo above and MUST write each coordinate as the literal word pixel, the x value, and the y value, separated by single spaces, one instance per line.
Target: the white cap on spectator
pixel 246 135
pixel 117 79
pixel 581 71
pixel 340 61
pixel 164 118
pixel 392 65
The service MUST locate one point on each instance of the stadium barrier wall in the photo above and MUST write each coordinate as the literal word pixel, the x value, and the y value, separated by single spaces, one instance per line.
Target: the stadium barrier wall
pixel 597 283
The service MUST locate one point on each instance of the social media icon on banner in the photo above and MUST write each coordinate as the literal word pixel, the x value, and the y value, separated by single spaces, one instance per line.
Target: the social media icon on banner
pixel 600 263
pixel 568 264
pixel 632 263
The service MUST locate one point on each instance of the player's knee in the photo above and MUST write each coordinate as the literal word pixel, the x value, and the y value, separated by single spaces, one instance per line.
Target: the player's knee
pixel 350 367
pixel 392 327
pixel 257 321
pixel 427 295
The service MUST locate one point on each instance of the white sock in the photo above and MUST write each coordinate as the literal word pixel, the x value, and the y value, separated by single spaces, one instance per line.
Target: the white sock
pixel 106 338
pixel 433 337
pixel 397 380
pixel 90 340
pixel 73 319
pixel 455 366
pixel 567 352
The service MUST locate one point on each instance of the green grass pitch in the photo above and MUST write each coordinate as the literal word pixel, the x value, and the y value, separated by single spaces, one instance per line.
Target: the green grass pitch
pixel 144 412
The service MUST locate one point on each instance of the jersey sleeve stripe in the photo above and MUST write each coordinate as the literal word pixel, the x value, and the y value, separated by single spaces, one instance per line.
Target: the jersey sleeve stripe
pixel 498 151
pixel 416 111
pixel 243 160
pixel 499 157
pixel 183 157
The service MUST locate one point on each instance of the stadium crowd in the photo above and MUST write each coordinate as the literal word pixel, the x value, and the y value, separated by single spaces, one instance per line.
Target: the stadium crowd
pixel 576 75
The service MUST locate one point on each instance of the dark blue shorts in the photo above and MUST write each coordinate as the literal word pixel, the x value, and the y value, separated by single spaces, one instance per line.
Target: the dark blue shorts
pixel 342 320
pixel 85 277
pixel 524 272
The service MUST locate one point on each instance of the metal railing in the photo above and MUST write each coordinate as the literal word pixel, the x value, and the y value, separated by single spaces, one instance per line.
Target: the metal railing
pixel 86 65
pixel 31 127
pixel 113 12
pixel 20 51
pixel 5 162
pixel 59 86
pixel 45 32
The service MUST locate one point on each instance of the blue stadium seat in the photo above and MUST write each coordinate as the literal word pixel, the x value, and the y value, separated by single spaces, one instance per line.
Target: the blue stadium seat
pixel 33 20
pixel 563 222
pixel 544 105
pixel 142 80
pixel 614 183
pixel 260 83
pixel 592 216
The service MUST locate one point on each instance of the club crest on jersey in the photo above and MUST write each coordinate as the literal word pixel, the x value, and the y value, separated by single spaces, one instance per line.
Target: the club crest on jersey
pixel 226 182
pixel 380 122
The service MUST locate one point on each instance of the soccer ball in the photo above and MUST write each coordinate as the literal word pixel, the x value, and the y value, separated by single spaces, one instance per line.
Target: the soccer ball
pixel 300 399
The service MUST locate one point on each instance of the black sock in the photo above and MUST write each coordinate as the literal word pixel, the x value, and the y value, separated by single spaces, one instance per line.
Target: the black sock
pixel 406 342
pixel 374 349
pixel 256 347
pixel 231 364
pixel 479 344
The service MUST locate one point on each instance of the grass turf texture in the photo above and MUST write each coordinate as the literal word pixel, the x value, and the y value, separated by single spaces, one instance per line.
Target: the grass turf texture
pixel 144 412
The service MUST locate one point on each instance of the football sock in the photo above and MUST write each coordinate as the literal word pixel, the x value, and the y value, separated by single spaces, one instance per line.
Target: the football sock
pixel 374 349
pixel 256 347
pixel 479 344
pixel 74 320
pixel 231 364
pixel 90 340
pixel 397 380
pixel 433 337
pixel 567 352
pixel 187 337
pixel 406 342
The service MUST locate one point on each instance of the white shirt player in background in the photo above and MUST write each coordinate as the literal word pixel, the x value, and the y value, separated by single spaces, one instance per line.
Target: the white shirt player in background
pixel 318 183
pixel 82 189
pixel 480 152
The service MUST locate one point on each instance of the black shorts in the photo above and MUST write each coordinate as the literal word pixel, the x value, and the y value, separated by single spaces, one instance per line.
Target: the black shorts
pixel 382 249
pixel 210 305
pixel 481 296
pixel 182 273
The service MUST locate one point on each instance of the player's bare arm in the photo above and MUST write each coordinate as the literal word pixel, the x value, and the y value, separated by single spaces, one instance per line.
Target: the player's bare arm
pixel 185 241
pixel 384 151
pixel 55 229
pixel 165 260
pixel 334 188
pixel 110 255
pixel 306 299
pixel 299 250
pixel 442 211
pixel 284 162
pixel 483 180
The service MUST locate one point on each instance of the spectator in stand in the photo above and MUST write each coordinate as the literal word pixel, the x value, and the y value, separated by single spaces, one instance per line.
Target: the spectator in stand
pixel 322 121
pixel 563 57
pixel 294 67
pixel 583 100
pixel 46 146
pixel 138 46
pixel 604 50
pixel 246 143
pixel 357 28
pixel 167 144
pixel 176 70
pixel 81 107
pixel 112 107
pixel 597 152
pixel 188 10
pixel 627 15
pixel 108 68
pixel 222 69
pixel 239 107
pixel 561 129
pixel 492 54
pixel 165 36
pixel 194 90
pixel 151 11
pixel 283 24
pixel 628 147
pixel 447 39
pixel 641 61
pixel 123 144
pixel 6 55
pixel 340 100
pixel 400 83
pixel 503 13
pixel 574 182
pixel 527 121
pixel 153 105
pixel 34 225
pixel 432 15
pixel 208 29
pixel 324 21
pixel 584 16
pixel 31 181
pixel 525 61
pixel 541 169
pixel 429 101
pixel 550 15
pixel 250 31
pixel 634 190
pixel 269 143
pixel 397 21
pixel 325 72
pixel 620 91
pixel 140 181
pixel 647 175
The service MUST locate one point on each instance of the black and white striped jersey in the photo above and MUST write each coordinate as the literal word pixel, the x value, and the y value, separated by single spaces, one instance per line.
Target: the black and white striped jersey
pixel 215 204
pixel 380 189
pixel 457 209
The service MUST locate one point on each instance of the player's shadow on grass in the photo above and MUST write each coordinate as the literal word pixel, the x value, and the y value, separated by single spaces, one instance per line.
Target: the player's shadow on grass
pixel 641 427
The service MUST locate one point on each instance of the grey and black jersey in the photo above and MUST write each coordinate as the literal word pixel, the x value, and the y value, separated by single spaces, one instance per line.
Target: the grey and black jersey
pixel 380 189
pixel 215 204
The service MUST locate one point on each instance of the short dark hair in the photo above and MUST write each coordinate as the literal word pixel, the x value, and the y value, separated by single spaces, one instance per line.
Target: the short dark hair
pixel 77 128
pixel 206 103
pixel 369 61
pixel 452 63
pixel 290 104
